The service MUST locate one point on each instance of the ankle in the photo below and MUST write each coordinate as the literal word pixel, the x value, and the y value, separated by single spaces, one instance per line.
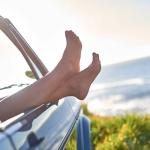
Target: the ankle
pixel 77 89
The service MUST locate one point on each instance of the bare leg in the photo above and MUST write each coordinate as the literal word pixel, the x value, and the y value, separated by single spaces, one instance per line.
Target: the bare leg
pixel 70 62
pixel 40 91
pixel 79 84
pixel 68 66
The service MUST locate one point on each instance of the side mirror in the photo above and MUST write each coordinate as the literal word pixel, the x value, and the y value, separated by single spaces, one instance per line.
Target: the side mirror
pixel 30 74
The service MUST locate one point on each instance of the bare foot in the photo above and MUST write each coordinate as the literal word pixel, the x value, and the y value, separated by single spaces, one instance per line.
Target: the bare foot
pixel 70 62
pixel 81 83
pixel 72 52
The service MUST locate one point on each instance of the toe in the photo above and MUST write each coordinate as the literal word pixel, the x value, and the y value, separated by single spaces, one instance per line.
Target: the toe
pixel 95 57
pixel 73 39
pixel 96 63
pixel 67 34
pixel 71 34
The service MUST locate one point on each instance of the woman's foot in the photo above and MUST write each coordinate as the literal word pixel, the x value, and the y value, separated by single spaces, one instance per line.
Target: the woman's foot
pixel 70 62
pixel 72 53
pixel 79 85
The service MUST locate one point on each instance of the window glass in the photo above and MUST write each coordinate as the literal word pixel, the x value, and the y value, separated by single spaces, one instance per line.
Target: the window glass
pixel 12 68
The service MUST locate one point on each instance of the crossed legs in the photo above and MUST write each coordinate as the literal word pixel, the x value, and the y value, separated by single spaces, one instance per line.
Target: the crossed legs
pixel 65 80
pixel 76 83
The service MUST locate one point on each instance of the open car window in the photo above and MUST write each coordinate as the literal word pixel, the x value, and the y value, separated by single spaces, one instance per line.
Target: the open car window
pixel 20 66
pixel 13 68
pixel 18 59
pixel 52 124
pixel 11 44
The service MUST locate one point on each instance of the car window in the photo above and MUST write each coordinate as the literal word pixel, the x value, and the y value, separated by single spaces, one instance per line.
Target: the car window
pixel 13 68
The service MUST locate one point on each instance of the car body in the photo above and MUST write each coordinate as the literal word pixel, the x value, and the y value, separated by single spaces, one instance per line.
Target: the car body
pixel 47 126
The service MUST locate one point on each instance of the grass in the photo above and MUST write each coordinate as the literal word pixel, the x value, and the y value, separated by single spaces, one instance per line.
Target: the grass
pixel 128 132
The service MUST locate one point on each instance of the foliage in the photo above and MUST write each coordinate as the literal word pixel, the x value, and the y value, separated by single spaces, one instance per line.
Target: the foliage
pixel 71 145
pixel 127 132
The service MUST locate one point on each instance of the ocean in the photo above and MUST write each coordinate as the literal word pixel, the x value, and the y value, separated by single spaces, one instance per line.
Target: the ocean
pixel 121 88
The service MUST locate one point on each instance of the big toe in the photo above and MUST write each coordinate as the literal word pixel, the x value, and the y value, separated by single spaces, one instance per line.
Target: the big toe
pixel 96 65
pixel 70 34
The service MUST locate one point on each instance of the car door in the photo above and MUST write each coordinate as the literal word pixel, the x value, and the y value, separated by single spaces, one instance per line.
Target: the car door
pixel 47 126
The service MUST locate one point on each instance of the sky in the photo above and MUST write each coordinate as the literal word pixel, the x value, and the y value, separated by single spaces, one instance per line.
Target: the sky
pixel 118 30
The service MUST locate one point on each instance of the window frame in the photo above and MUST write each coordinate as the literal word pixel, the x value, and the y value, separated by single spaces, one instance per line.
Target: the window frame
pixel 34 62
pixel 70 107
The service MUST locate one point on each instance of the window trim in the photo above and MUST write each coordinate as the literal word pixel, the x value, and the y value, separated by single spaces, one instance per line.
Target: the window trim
pixel 30 56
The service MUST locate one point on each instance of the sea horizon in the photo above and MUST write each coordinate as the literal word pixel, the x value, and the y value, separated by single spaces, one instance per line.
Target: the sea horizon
pixel 121 88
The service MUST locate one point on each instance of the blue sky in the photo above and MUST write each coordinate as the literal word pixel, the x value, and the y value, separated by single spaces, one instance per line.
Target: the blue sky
pixel 117 29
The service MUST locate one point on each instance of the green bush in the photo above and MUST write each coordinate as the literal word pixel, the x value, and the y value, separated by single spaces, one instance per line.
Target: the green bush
pixel 128 132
